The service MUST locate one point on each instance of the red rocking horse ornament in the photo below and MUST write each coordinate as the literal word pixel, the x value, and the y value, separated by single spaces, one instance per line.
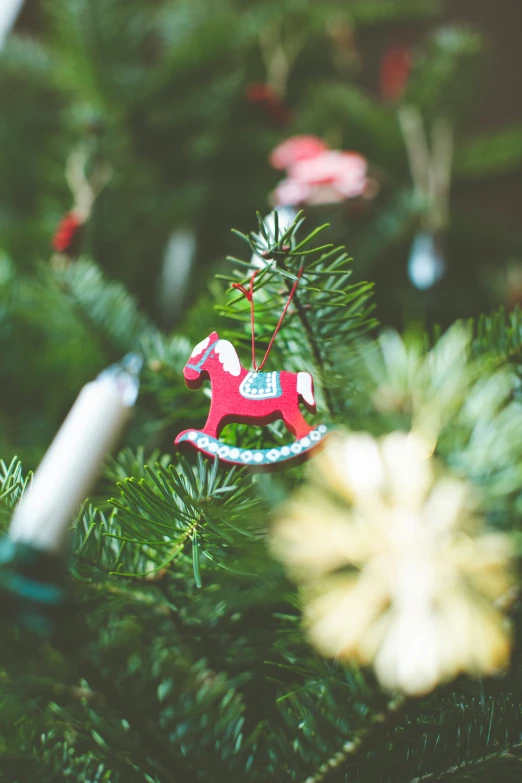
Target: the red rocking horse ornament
pixel 242 396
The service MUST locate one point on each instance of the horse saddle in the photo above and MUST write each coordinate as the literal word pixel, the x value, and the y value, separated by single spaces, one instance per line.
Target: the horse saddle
pixel 260 386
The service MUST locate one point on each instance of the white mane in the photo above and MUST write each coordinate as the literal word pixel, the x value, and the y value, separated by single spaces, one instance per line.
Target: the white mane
pixel 200 347
pixel 228 357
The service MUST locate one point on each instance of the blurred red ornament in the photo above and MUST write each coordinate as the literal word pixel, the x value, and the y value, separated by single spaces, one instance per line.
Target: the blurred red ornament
pixel 296 149
pixel 345 170
pixel 272 105
pixel 395 70
pixel 327 178
pixel 257 92
pixel 290 193
pixel 66 232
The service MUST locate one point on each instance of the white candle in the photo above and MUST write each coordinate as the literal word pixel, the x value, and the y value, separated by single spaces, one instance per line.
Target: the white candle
pixel 8 12
pixel 70 466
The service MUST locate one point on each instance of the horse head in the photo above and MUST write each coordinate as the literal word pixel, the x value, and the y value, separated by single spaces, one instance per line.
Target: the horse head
pixel 208 355
pixel 195 371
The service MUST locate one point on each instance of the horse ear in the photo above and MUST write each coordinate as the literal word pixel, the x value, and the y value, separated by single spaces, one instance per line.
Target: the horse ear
pixel 214 336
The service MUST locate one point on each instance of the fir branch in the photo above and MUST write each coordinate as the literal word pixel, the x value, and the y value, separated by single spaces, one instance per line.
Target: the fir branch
pixel 327 307
pixel 178 547
pixel 105 308
pixel 314 347
pixel 149 745
pixel 440 76
pixel 370 12
pixel 158 514
pixel 473 765
pixel 491 155
pixel 12 486
pixel 391 225
pixel 335 769
pixel 373 128
pixel 498 336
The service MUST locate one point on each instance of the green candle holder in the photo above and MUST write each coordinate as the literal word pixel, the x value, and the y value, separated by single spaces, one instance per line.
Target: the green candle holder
pixel 32 586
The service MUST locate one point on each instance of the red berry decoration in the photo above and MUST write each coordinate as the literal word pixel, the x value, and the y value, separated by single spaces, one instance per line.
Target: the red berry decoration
pixel 66 233
pixel 271 104
pixel 395 70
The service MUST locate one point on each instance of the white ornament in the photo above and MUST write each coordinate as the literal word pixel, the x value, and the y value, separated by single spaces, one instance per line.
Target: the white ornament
pixel 426 265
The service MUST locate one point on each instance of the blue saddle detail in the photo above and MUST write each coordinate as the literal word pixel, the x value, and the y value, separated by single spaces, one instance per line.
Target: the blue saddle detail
pixel 260 386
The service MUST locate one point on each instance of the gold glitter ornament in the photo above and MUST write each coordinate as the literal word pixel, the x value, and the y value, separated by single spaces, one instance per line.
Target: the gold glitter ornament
pixel 395 568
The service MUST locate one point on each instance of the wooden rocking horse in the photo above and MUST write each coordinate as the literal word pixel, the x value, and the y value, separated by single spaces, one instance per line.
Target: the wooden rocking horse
pixel 243 396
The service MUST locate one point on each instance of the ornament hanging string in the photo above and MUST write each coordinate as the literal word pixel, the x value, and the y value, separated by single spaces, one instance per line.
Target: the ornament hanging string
pixel 250 296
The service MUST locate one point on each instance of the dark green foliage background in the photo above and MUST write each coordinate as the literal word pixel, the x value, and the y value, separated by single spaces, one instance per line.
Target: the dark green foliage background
pixel 182 656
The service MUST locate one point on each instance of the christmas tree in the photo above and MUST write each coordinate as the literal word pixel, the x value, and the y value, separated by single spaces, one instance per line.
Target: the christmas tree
pixel 190 616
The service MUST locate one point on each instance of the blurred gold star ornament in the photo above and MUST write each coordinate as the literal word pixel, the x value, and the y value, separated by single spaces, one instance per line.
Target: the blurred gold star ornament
pixel 396 569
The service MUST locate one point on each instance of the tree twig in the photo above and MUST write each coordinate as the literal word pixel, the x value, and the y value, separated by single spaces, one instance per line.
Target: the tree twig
pixel 316 352
pixel 334 770
pixel 469 764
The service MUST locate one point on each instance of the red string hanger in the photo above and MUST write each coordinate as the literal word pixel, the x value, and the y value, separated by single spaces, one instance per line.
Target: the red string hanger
pixel 249 293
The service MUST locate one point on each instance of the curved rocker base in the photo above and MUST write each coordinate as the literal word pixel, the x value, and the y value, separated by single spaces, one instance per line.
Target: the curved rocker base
pixel 255 459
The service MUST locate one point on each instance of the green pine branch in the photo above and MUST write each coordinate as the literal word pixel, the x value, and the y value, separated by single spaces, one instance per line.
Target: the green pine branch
pixel 366 126
pixel 498 336
pixel 12 484
pixel 107 309
pixel 443 75
pixel 493 154
pixel 172 514
pixel 371 12
pixel 327 307
pixel 503 766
